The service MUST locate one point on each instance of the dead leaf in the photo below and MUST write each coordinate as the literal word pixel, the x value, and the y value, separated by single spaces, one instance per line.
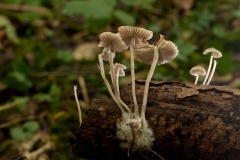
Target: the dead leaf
pixel 87 51
pixel 184 4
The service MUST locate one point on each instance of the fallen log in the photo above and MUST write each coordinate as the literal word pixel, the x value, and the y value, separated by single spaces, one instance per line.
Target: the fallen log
pixel 189 122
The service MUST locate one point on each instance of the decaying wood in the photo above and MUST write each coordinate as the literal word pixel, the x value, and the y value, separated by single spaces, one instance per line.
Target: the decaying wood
pixel 189 122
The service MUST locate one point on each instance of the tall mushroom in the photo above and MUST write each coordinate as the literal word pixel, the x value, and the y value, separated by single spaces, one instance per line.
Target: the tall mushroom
pixel 196 71
pixel 132 36
pixel 162 53
pixel 112 43
pixel 214 54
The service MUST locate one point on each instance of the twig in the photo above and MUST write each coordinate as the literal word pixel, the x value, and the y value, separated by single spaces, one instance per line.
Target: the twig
pixel 84 90
pixel 24 8
pixel 7 106
pixel 79 108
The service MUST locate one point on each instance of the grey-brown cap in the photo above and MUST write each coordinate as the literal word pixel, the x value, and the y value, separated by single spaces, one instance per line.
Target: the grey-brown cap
pixel 144 53
pixel 197 70
pixel 112 41
pixel 129 32
pixel 167 50
pixel 214 52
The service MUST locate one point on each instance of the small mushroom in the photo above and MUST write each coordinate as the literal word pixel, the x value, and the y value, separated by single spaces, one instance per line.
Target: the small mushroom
pixel 119 72
pixel 196 71
pixel 162 53
pixel 101 68
pixel 214 54
pixel 78 105
pixel 112 43
pixel 133 36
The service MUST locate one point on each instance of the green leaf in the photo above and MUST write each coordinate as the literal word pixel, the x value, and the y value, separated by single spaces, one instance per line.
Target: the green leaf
pixel 42 97
pixel 185 49
pixel 18 81
pixel 31 126
pixel 224 64
pixel 154 27
pixel 236 13
pixel 125 18
pixel 219 31
pixel 65 55
pixel 90 9
pixel 18 133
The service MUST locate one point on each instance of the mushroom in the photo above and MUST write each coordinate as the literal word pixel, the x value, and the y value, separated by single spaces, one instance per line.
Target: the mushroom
pixel 162 53
pixel 196 71
pixel 101 68
pixel 214 54
pixel 212 73
pixel 112 43
pixel 132 36
pixel 119 72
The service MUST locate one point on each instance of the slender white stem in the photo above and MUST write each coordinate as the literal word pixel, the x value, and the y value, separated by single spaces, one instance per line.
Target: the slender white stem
pixel 79 108
pixel 149 77
pixel 208 71
pixel 196 79
pixel 101 67
pixel 132 44
pixel 112 72
pixel 118 94
pixel 212 73
pixel 117 80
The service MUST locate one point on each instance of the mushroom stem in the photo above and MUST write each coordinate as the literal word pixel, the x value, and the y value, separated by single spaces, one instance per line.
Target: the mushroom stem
pixel 196 79
pixel 110 60
pixel 101 67
pixel 212 73
pixel 118 93
pixel 132 44
pixel 149 77
pixel 78 105
pixel 209 68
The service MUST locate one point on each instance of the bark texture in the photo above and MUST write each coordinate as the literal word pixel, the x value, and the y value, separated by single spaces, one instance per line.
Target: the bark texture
pixel 189 122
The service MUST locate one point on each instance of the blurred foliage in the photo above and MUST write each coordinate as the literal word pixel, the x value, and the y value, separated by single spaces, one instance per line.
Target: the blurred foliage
pixel 38 71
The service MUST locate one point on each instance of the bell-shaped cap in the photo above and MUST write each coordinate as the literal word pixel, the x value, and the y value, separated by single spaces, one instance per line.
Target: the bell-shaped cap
pixel 112 41
pixel 197 70
pixel 214 52
pixel 167 51
pixel 129 32
pixel 121 68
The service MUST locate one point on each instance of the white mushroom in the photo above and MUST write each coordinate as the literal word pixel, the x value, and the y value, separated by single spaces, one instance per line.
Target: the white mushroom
pixel 163 52
pixel 196 71
pixel 112 43
pixel 132 36
pixel 214 54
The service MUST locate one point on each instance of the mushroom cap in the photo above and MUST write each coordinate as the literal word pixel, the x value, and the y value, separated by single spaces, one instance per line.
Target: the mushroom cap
pixel 129 32
pixel 144 53
pixel 121 68
pixel 167 51
pixel 121 71
pixel 197 70
pixel 112 41
pixel 214 52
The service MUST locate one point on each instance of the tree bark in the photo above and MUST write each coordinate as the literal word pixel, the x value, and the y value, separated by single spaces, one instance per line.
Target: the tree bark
pixel 189 122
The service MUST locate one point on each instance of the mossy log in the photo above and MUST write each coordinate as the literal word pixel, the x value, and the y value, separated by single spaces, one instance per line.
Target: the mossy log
pixel 189 122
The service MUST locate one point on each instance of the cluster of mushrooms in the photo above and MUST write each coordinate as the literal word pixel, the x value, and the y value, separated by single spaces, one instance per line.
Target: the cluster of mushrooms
pixel 132 129
pixel 200 71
